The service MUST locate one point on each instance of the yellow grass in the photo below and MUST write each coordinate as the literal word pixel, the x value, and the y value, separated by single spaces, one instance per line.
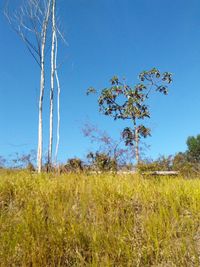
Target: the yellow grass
pixel 98 220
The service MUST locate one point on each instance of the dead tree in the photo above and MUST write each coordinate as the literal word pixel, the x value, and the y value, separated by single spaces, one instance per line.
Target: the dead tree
pixel 30 22
pixel 52 81
pixel 58 101
pixel 56 36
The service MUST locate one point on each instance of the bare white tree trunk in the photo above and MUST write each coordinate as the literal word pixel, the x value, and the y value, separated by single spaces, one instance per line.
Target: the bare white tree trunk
pixel 42 85
pixel 52 82
pixel 58 102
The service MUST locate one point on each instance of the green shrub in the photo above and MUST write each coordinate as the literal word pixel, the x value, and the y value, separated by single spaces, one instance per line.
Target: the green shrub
pixel 102 162
pixel 182 163
pixel 74 165
pixel 161 164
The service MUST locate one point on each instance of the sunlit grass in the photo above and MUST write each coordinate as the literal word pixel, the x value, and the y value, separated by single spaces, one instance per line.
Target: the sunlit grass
pixel 103 220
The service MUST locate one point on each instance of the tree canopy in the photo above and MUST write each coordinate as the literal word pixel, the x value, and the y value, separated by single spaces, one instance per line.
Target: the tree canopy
pixel 193 151
pixel 127 102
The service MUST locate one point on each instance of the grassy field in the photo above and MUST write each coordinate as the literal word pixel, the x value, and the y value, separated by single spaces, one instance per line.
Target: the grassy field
pixel 104 220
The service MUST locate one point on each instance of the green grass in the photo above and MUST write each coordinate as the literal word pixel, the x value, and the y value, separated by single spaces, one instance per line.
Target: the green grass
pixel 104 220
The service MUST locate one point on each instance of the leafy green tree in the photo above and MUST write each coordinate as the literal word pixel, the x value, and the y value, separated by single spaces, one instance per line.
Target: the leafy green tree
pixel 122 101
pixel 193 151
pixel 188 162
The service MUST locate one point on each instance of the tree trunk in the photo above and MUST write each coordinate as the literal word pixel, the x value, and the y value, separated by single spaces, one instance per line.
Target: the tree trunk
pixel 137 157
pixel 42 84
pixel 136 146
pixel 58 103
pixel 52 82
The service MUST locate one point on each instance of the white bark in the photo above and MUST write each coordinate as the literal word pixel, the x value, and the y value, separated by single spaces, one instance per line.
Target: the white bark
pixel 58 102
pixel 42 85
pixel 52 82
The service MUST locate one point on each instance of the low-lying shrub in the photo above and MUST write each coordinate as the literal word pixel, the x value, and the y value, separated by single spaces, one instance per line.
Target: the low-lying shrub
pixel 102 162
pixel 185 166
pixel 74 165
pixel 161 164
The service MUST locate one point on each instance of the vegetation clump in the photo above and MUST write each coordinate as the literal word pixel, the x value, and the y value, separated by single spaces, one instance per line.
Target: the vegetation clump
pixel 102 162
pixel 74 165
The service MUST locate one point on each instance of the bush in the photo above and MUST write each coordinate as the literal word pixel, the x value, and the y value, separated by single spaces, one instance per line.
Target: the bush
pixel 182 164
pixel 161 164
pixel 74 165
pixel 102 162
pixel 30 167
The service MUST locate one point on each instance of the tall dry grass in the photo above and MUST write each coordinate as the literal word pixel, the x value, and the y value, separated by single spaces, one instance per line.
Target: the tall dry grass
pixel 102 220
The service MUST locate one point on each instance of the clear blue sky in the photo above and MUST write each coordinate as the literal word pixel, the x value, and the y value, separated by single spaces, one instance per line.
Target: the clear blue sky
pixel 106 38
